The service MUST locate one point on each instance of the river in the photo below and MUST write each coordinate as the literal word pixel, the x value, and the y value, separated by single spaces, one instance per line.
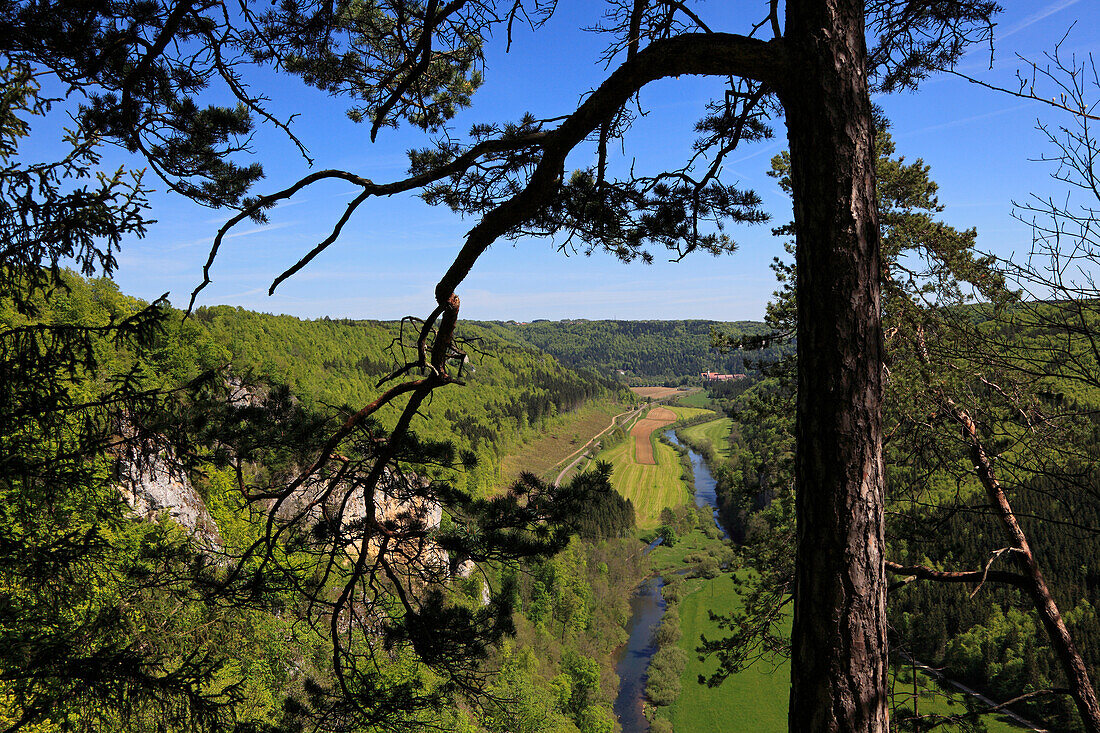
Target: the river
pixel 646 609
pixel 705 483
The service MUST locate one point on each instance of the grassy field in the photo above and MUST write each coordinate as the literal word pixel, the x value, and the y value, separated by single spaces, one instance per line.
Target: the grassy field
pixel 541 455
pixel 684 413
pixel 664 559
pixel 716 433
pixel 755 700
pixel 933 699
pixel 651 488
pixel 655 421
pixel 695 399
pixel 656 393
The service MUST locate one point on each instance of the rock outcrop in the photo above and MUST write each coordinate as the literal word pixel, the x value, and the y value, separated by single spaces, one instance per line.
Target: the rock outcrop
pixel 400 506
pixel 154 487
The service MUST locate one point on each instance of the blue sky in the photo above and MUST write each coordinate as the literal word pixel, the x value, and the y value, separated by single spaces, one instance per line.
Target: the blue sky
pixel 978 143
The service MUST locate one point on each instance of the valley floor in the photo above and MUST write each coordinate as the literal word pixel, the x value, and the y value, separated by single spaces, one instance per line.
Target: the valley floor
pixel 752 701
pixel 650 486
pixel 756 699
pixel 550 450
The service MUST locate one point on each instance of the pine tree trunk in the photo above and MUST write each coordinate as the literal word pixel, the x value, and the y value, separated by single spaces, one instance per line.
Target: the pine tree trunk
pixel 839 650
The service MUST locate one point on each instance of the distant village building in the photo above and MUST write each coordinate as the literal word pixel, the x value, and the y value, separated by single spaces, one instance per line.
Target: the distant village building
pixel 716 377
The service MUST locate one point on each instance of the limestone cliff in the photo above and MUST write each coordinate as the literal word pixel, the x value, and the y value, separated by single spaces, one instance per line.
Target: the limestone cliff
pixel 154 487
pixel 399 507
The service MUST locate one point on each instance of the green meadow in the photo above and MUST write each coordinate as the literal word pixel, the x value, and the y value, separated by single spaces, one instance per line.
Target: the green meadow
pixel 651 488
pixel 695 399
pixel 714 433
pixel 755 700
pixel 686 413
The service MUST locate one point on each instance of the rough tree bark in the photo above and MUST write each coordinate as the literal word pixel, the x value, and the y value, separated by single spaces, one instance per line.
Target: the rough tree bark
pixel 839 646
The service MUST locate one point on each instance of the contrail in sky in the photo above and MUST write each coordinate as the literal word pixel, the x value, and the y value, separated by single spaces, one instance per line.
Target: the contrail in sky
pixel 965 120
pixel 1036 17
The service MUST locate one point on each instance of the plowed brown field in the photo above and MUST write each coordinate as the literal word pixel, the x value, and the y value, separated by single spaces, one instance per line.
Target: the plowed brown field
pixel 656 393
pixel 657 418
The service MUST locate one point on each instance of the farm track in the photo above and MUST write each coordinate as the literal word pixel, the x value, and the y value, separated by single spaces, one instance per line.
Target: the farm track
pixel 580 452
pixel 578 455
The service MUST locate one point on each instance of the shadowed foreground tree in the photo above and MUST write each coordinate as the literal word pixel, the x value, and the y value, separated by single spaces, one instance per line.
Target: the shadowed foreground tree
pixel 927 267
pixel 80 580
pixel 418 61
pixel 100 614
pixel 1050 341
pixel 110 623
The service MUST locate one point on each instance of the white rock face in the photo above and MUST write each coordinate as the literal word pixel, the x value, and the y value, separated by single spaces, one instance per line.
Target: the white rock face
pixel 466 569
pixel 152 488
pixel 416 509
pixel 399 509
pixel 241 394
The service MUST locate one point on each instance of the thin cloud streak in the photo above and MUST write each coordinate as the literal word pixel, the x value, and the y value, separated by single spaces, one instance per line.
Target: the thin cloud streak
pixel 232 235
pixel 1012 30
pixel 1038 16
pixel 965 120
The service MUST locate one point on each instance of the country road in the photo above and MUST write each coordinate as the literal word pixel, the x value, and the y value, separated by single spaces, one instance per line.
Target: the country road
pixel 579 453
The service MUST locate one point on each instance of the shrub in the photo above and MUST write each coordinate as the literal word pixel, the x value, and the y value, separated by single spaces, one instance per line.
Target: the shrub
pixel 661 725
pixel 674 588
pixel 662 688
pixel 707 568
pixel 668 533
pixel 597 719
pixel 671 660
pixel 669 631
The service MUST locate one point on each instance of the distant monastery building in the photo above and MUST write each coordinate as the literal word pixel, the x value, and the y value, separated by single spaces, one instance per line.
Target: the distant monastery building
pixel 716 377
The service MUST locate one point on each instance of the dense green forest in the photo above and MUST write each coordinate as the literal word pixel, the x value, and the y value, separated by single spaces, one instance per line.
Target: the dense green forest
pixel 222 659
pixel 646 352
pixel 503 613
pixel 511 389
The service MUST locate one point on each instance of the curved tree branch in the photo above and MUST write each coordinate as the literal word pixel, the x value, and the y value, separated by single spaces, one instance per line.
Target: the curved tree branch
pixel 693 53
pixel 923 572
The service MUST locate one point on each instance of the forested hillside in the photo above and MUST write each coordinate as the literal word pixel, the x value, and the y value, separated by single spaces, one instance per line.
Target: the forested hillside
pixel 232 641
pixel 511 388
pixel 667 352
